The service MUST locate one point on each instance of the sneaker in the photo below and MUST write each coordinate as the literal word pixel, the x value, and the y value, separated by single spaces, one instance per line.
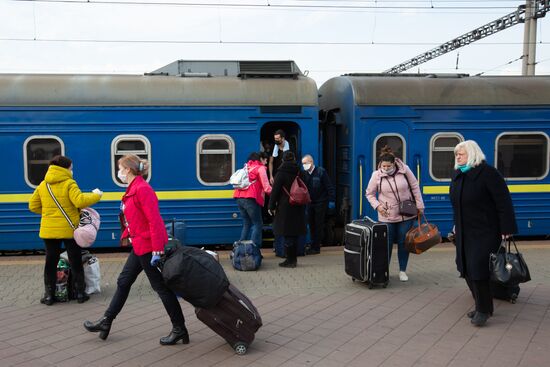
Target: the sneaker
pixel 403 276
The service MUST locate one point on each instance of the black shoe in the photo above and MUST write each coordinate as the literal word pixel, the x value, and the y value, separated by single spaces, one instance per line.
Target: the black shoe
pixel 287 264
pixel 177 334
pixel 48 299
pixel 82 297
pixel 480 319
pixel 312 251
pixel 471 314
pixel 103 326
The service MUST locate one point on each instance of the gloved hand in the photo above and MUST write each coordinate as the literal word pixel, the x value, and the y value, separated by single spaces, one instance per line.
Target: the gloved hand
pixel 155 260
pixel 331 205
pixel 97 191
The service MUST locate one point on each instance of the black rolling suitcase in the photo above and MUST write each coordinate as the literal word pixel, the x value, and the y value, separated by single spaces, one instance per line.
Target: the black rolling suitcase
pixel 234 318
pixel 366 252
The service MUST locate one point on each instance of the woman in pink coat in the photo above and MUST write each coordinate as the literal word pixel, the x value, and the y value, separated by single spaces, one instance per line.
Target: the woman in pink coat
pixel 251 200
pixel 145 230
pixel 393 183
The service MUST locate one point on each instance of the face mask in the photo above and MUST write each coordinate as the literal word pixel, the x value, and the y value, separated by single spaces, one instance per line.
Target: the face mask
pixel 121 176
pixel 278 142
pixel 388 171
pixel 307 166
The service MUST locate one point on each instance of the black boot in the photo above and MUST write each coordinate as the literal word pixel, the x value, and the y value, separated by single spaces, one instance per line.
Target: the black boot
pixel 290 261
pixel 480 319
pixel 178 333
pixel 103 326
pixel 49 296
pixel 81 297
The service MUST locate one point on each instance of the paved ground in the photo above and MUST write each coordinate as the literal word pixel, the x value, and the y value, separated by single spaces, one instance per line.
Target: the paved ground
pixel 313 315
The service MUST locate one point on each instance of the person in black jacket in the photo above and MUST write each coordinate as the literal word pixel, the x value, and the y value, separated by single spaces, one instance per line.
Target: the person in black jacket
pixel 483 217
pixel 322 194
pixel 290 220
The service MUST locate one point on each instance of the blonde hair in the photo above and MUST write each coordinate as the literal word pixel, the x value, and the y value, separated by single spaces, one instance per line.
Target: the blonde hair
pixel 135 164
pixel 475 154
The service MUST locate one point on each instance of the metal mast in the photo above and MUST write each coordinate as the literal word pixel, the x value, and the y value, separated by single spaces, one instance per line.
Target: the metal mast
pixel 538 10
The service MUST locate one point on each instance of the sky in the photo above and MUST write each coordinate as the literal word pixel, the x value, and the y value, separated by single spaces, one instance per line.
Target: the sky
pixel 326 38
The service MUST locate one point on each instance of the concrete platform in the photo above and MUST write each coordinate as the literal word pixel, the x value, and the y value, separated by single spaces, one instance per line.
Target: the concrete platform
pixel 313 315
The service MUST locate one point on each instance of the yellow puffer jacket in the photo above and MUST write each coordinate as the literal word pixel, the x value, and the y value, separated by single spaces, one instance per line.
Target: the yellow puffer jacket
pixel 53 224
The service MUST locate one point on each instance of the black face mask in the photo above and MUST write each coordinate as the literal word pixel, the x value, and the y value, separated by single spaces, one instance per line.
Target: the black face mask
pixel 278 142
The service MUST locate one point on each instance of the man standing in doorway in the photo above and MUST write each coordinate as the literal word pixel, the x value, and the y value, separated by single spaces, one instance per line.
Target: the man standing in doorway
pixel 281 146
pixel 323 196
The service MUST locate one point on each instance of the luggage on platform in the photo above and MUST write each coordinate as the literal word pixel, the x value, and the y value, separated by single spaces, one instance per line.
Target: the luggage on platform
pixel 366 252
pixel 234 318
pixel 505 293
pixel 194 275
pixel 63 291
pixel 246 256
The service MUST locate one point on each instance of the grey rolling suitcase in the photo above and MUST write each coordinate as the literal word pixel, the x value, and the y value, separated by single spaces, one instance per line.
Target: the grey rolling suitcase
pixel 366 252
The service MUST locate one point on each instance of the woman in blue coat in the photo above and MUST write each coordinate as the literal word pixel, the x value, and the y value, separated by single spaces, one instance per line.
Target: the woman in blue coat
pixel 483 217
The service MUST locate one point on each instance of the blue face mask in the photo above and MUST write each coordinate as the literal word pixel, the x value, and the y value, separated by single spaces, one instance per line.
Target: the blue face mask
pixel 464 167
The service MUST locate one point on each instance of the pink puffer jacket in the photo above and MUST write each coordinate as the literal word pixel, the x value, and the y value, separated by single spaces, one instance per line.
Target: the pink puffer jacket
pixel 257 173
pixel 379 184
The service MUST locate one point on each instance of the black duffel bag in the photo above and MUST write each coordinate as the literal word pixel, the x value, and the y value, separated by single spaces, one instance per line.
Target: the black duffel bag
pixel 194 275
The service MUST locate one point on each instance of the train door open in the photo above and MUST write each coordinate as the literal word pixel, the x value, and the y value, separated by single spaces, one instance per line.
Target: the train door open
pixel 292 133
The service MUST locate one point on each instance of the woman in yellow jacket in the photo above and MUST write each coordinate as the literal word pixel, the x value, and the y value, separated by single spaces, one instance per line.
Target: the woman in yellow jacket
pixel 54 227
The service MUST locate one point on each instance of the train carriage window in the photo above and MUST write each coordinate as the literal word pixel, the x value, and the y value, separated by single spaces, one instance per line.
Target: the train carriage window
pixel 522 155
pixel 215 158
pixel 38 151
pixel 442 158
pixel 130 144
pixel 395 141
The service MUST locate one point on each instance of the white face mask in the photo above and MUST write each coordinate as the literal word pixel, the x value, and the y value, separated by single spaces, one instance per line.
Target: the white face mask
pixel 307 166
pixel 388 171
pixel 121 176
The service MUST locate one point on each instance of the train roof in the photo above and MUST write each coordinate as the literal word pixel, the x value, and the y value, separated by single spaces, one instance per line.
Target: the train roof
pixel 153 90
pixel 437 91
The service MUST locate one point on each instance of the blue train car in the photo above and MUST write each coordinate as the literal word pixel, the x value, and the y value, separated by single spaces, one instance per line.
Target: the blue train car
pixel 196 126
pixel 422 119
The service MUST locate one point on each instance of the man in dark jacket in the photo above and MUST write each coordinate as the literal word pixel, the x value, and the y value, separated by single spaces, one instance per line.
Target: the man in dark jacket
pixel 290 220
pixel 322 197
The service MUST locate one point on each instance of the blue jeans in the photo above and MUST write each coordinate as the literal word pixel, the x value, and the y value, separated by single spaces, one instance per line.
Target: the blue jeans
pixel 251 212
pixel 396 234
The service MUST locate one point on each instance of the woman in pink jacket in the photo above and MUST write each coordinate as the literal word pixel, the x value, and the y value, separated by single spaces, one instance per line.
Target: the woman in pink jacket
pixel 394 182
pixel 251 200
pixel 145 230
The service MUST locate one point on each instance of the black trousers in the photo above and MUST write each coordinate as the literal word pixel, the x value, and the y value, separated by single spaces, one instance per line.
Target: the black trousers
pixel 291 244
pixel 316 213
pixel 133 267
pixel 53 250
pixel 481 291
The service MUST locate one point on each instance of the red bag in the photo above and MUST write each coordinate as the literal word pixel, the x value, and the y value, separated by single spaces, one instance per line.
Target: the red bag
pixel 298 195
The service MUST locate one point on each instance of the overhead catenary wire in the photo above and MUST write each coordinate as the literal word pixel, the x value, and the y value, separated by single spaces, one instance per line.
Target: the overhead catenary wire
pixel 500 66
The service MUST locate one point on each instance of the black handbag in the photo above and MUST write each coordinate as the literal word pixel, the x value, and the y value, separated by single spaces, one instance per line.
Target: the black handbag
pixel 508 268
pixel 407 208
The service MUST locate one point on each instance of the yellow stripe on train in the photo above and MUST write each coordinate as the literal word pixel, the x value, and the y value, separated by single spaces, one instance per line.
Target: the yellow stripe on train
pixel 439 190
pixel 116 196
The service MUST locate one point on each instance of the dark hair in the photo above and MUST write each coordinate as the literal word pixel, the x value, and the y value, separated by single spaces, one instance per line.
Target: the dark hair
pixel 61 161
pixel 289 156
pixel 253 156
pixel 280 132
pixel 386 155
pixel 264 155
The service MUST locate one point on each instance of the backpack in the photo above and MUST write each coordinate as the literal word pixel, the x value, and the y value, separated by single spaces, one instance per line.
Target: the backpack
pixel 240 180
pixel 298 195
pixel 246 256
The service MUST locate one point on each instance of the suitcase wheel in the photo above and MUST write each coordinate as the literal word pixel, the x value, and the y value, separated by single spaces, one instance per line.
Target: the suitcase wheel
pixel 240 348
pixel 370 286
pixel 385 285
pixel 353 279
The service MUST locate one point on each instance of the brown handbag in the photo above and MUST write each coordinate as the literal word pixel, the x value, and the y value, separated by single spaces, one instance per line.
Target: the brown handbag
pixel 423 237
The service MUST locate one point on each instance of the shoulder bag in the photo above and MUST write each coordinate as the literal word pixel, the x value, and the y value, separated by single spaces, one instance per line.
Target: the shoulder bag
pixel 86 231
pixel 407 208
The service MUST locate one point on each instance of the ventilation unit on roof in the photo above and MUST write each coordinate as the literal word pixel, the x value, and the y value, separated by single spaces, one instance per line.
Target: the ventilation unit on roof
pixel 243 69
